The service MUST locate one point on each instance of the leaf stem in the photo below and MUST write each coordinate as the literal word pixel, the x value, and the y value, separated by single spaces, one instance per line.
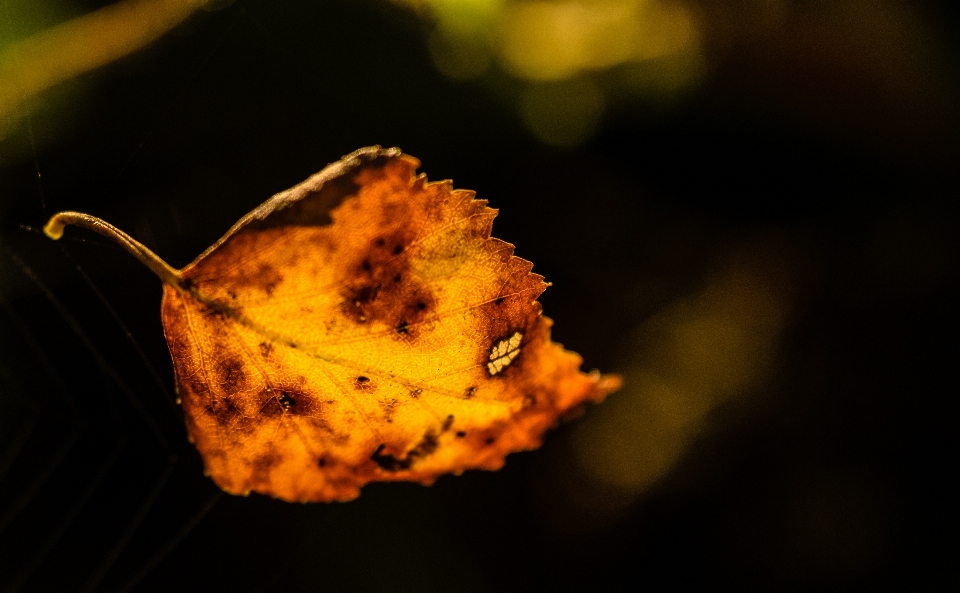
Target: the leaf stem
pixel 54 230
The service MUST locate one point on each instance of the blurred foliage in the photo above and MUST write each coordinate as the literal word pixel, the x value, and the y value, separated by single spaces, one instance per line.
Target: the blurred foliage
pixel 32 61
pixel 559 51
pixel 702 352
pixel 567 62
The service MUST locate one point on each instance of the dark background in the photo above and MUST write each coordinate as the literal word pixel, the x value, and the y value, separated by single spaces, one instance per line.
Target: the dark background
pixel 842 154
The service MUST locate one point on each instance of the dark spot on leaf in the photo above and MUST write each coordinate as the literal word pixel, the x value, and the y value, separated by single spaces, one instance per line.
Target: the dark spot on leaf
pixel 499 300
pixel 461 434
pixel 427 445
pixel 489 440
pixel 421 305
pixel 322 462
pixel 289 400
pixel 364 384
pixel 366 265
pixel 469 392
pixel 397 278
pixel 447 423
pixel 402 328
pixel 387 462
pixel 398 250
pixel 381 242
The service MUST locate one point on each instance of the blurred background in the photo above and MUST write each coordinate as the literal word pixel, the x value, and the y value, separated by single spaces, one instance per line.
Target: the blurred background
pixel 746 207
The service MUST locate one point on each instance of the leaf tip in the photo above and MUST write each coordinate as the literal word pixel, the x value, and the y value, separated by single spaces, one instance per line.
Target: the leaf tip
pixel 606 383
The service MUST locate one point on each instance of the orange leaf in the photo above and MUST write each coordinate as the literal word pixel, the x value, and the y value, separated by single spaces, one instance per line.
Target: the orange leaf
pixel 361 326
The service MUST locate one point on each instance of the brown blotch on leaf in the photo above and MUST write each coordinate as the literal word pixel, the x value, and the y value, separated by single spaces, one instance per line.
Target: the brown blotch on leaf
pixel 389 408
pixel 266 461
pixel 262 468
pixel 427 445
pixel 382 290
pixel 266 348
pixel 230 418
pixel 231 375
pixel 263 277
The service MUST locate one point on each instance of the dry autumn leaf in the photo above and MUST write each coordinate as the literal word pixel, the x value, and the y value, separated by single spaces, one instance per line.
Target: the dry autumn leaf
pixel 361 326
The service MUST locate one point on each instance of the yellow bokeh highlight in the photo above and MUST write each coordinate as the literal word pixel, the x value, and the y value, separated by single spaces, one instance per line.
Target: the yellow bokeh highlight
pixel 704 351
pixel 463 16
pixel 541 40
pixel 555 40
pixel 34 64
pixel 554 47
